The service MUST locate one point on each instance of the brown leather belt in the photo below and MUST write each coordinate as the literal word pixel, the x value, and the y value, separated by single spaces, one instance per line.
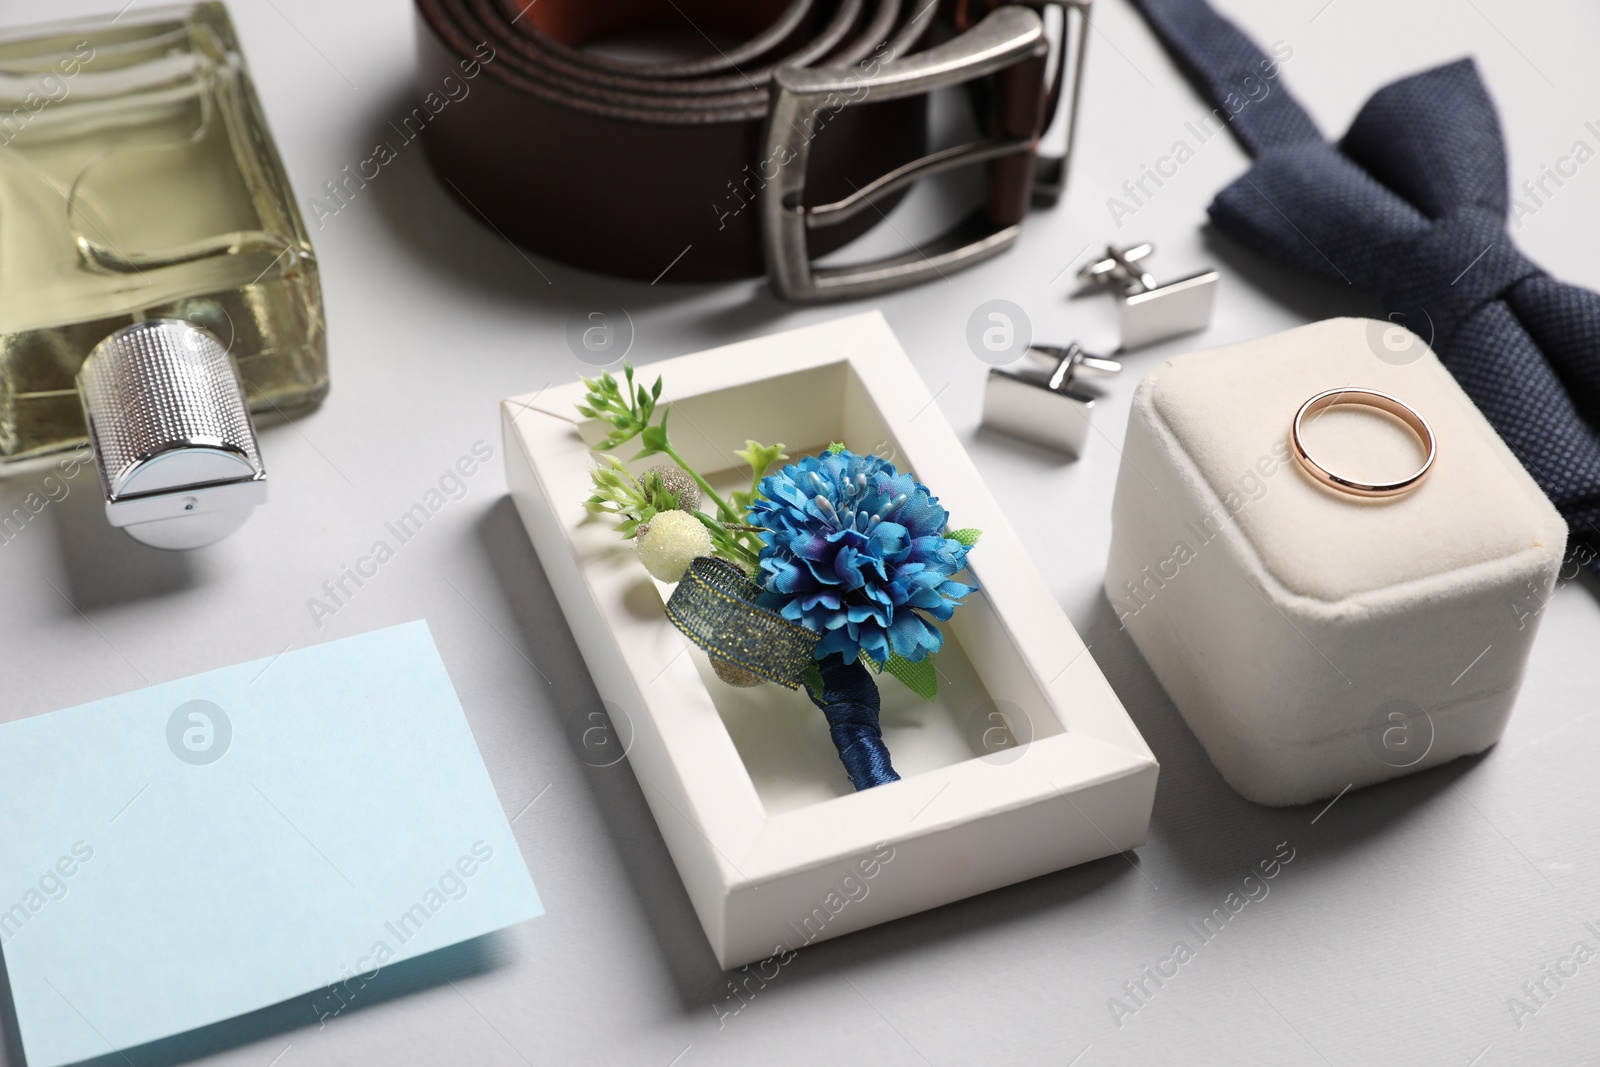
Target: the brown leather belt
pixel 767 154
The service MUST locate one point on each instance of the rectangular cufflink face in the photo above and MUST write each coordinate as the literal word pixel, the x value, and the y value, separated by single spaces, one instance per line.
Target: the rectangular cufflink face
pixel 1179 307
pixel 1028 408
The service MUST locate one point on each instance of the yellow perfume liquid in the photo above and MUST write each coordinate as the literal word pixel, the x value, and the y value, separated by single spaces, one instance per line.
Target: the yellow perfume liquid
pixel 138 181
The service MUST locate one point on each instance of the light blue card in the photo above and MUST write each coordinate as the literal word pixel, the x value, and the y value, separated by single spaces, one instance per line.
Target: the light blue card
pixel 200 849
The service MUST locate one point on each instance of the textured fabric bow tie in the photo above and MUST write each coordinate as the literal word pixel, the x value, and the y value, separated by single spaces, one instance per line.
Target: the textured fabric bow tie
pixel 1411 206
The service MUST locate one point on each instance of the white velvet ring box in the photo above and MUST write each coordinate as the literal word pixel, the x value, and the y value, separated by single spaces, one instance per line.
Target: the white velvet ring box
pixel 1313 640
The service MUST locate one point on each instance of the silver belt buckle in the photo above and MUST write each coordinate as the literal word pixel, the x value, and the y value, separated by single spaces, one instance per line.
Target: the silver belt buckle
pixel 1007 36
pixel 1065 89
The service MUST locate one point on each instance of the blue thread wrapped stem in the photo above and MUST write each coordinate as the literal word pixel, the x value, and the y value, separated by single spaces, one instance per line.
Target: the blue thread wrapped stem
pixel 849 701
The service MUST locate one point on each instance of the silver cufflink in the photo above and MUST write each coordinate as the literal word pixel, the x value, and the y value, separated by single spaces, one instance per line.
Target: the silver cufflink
pixel 1047 396
pixel 1152 311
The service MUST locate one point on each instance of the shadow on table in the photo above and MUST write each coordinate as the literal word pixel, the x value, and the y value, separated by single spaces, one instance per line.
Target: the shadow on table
pixel 1216 834
pixel 105 567
pixel 598 736
pixel 1311 298
pixel 320 1007
pixel 1032 457
pixel 8 1020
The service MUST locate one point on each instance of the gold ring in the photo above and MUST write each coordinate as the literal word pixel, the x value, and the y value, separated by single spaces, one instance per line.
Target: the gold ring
pixel 1370 398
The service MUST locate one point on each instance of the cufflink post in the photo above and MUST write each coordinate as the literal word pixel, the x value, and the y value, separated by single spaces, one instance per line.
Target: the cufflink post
pixel 1152 311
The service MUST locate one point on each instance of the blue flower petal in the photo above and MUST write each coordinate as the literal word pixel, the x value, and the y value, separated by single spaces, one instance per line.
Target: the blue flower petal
pixel 821 567
pixel 912 638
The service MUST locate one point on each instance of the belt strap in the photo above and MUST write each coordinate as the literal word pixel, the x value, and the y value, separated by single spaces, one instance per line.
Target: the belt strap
pixel 657 169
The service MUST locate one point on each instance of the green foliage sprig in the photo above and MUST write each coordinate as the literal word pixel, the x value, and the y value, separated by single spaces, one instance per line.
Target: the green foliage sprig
pixel 618 493
pixel 630 409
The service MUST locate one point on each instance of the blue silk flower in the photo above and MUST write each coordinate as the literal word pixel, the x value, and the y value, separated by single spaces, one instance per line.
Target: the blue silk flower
pixel 855 551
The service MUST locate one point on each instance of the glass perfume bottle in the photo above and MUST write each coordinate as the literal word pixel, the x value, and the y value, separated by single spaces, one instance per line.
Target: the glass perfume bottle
pixel 139 185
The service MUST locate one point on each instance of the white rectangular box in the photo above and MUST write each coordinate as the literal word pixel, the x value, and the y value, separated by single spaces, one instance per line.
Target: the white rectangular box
pixel 1027 762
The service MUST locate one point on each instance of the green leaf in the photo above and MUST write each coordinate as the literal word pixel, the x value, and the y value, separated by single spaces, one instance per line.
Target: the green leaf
pixel 920 678
pixel 968 536
pixel 835 448
pixel 760 456
pixel 655 392
pixel 813 678
pixel 654 438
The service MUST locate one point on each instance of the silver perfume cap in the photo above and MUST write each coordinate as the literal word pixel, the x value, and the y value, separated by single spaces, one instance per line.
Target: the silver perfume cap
pixel 171 434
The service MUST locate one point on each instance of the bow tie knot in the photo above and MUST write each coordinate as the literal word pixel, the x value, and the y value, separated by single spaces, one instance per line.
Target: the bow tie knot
pixel 1439 278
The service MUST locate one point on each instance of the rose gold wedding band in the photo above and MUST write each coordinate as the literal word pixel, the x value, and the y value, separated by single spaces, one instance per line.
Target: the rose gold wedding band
pixel 1370 398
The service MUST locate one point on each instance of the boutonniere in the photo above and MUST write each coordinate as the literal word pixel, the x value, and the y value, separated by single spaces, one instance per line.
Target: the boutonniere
pixel 820 575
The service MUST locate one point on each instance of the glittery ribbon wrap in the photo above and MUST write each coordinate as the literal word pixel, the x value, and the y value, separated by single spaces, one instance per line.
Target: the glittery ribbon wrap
pixel 714 606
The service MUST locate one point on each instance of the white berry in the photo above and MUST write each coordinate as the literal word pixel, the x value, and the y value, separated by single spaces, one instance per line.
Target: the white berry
pixel 669 542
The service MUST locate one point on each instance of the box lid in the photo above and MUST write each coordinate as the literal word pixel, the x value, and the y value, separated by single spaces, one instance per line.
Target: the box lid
pixel 1229 411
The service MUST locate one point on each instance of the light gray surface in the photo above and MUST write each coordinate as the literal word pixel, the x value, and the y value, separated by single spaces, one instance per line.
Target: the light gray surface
pixel 1411 911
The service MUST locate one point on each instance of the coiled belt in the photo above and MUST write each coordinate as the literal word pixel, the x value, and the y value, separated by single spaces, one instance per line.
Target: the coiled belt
pixel 772 151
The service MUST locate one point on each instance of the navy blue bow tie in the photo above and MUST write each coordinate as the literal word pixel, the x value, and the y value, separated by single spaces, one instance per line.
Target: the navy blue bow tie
pixel 1411 207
